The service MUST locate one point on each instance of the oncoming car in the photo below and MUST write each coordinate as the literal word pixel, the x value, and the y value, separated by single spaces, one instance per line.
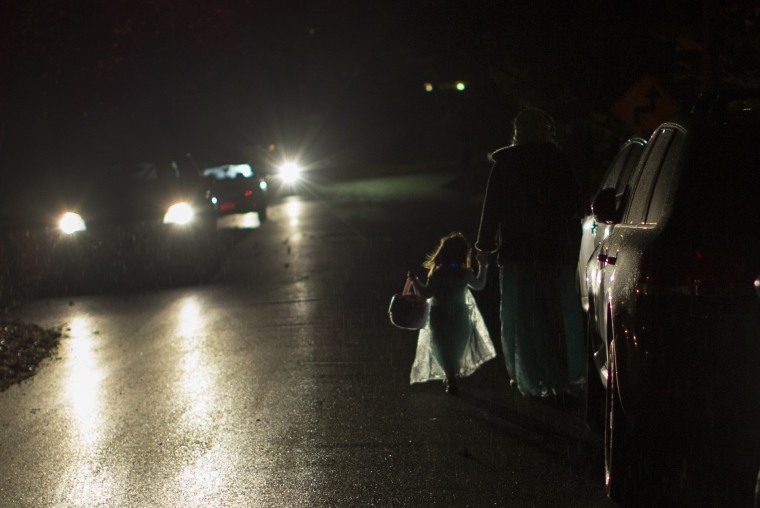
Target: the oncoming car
pixel 107 221
pixel 235 188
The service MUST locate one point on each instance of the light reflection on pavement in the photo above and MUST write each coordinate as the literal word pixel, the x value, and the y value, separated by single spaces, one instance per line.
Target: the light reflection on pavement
pixel 205 467
pixel 83 387
pixel 196 384
pixel 248 220
pixel 293 210
pixel 87 481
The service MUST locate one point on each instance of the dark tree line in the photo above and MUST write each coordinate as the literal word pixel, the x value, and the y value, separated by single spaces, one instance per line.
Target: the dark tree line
pixel 344 79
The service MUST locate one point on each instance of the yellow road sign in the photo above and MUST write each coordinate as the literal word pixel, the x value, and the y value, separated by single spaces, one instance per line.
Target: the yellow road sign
pixel 645 105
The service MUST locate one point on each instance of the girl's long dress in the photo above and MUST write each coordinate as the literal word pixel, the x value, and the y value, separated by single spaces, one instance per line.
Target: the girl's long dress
pixel 455 339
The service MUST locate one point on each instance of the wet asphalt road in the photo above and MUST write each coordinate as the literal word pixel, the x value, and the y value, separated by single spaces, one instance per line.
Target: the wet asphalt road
pixel 280 381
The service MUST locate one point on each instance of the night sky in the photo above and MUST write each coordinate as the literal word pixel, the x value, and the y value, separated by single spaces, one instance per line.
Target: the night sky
pixel 337 81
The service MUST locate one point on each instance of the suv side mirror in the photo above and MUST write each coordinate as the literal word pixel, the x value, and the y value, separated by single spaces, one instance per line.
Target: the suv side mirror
pixel 604 206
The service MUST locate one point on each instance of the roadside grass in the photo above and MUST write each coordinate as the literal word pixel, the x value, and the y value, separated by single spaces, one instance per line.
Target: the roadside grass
pixel 23 346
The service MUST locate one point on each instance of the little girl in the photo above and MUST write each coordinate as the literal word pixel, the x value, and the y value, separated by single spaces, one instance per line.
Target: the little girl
pixel 455 341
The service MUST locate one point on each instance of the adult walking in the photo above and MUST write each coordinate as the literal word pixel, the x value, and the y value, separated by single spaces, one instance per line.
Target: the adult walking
pixel 531 219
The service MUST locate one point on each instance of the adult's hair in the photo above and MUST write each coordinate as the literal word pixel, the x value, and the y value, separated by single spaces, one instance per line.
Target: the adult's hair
pixel 533 125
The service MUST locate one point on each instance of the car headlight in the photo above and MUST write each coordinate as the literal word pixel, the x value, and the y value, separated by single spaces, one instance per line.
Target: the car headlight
pixel 179 213
pixel 71 222
pixel 290 172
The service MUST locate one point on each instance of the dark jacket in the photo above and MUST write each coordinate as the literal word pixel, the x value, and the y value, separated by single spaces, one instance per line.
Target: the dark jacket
pixel 532 206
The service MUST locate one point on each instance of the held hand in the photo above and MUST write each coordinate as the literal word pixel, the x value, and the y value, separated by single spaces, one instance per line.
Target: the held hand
pixel 482 257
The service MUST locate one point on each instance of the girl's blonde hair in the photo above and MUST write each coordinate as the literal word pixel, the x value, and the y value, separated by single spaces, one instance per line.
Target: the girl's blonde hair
pixel 453 249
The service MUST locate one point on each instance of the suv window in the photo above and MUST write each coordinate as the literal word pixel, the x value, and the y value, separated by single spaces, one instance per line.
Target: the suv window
pixel 610 180
pixel 628 161
pixel 632 155
pixel 657 154
pixel 621 167
pixel 666 180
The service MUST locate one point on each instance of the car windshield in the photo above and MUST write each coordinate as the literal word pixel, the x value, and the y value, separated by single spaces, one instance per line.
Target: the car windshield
pixel 229 171
pixel 143 172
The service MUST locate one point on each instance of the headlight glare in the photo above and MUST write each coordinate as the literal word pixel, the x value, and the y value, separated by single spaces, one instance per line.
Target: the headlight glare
pixel 179 213
pixel 290 172
pixel 71 223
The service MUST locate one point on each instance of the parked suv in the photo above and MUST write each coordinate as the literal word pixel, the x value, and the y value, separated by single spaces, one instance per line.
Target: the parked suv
pixel 617 176
pixel 673 319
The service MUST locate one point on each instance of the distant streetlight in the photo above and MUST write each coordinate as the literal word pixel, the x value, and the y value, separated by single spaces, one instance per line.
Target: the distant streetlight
pixel 445 86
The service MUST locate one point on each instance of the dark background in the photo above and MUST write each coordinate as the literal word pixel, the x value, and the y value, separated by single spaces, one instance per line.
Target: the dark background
pixel 341 82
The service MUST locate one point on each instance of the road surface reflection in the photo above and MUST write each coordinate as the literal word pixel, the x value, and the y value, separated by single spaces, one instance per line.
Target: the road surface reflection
pixel 248 220
pixel 196 383
pixel 205 467
pixel 293 211
pixel 83 387
pixel 88 480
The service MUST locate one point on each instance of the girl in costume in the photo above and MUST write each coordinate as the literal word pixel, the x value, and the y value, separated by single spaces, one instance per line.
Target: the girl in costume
pixel 455 341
